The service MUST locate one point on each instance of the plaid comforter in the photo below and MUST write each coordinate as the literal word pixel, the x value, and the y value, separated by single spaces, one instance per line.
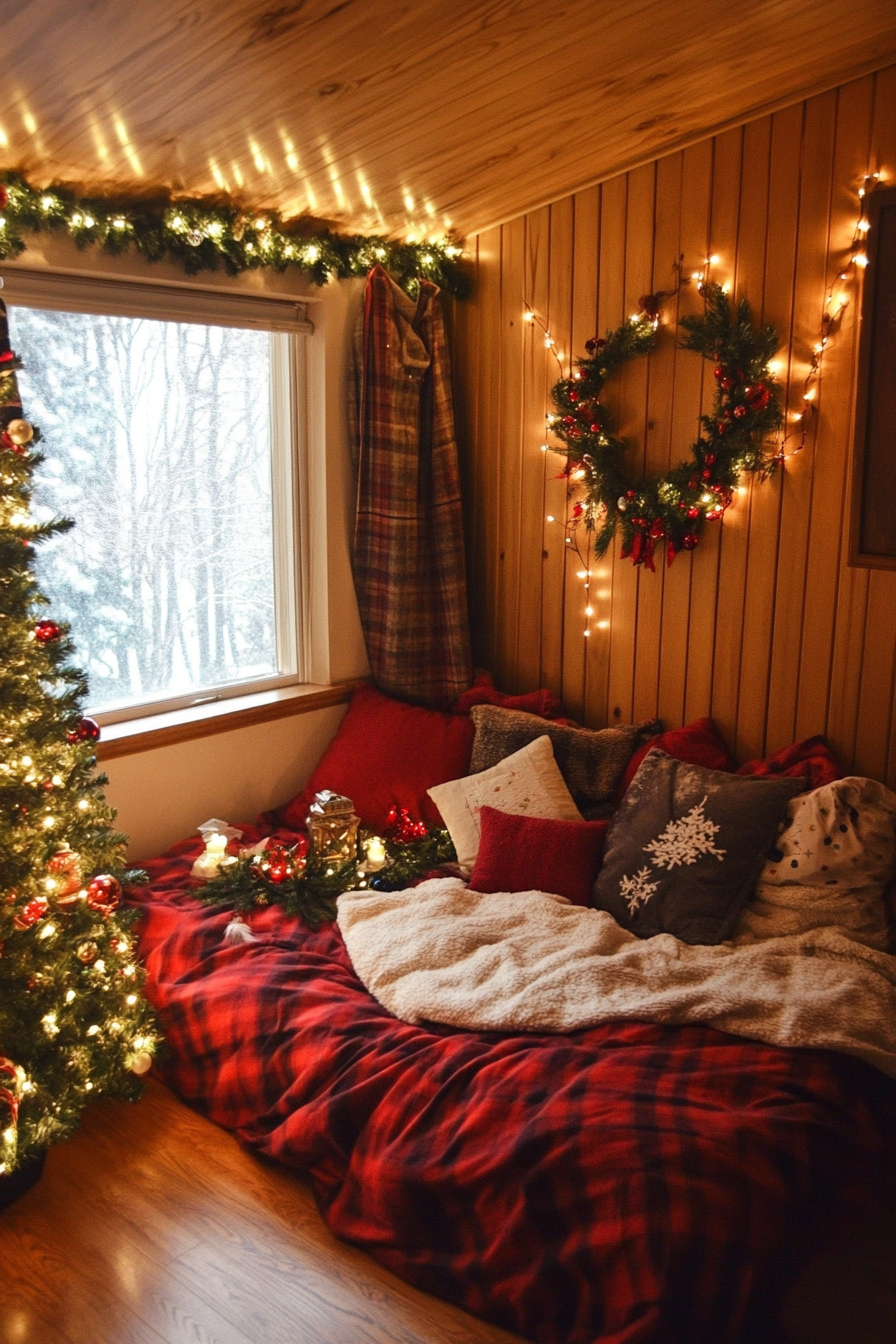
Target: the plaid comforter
pixel 629 1184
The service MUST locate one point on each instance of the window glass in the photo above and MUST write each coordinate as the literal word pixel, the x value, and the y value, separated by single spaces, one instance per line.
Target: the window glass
pixel 157 438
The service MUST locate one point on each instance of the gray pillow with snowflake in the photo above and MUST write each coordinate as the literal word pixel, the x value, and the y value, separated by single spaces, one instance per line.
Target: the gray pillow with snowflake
pixel 686 848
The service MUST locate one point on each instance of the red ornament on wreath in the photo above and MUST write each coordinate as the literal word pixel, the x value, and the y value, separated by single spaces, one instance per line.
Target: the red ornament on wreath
pixel 103 894
pixel 46 631
pixel 277 864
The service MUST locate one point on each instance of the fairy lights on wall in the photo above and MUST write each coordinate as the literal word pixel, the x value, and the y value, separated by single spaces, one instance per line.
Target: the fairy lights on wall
pixel 839 292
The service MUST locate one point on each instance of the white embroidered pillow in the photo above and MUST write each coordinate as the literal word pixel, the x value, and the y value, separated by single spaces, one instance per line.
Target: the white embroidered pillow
pixel 528 783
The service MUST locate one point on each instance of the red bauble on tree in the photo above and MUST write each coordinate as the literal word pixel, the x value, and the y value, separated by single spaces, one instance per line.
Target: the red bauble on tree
pixel 103 893
pixel 31 913
pixel 88 730
pixel 65 866
pixel 46 631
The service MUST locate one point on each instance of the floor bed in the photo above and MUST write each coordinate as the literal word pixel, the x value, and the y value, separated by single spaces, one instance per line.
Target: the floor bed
pixel 627 1184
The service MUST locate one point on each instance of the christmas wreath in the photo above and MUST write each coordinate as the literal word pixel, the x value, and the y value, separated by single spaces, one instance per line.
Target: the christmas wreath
pixel 673 507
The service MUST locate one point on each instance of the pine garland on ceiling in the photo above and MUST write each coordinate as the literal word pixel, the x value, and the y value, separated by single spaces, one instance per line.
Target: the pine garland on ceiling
pixel 203 233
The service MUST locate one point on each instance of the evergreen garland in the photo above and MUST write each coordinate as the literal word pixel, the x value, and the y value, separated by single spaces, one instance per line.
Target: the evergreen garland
pixel 671 507
pixel 310 890
pixel 210 234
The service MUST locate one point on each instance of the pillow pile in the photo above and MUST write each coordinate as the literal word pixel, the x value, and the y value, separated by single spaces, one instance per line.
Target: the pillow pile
pixel 591 762
pixel 686 847
pixel 528 783
pixel 831 863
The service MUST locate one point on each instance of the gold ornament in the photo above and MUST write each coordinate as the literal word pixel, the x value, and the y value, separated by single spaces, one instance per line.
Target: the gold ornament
pixel 87 952
pixel 20 432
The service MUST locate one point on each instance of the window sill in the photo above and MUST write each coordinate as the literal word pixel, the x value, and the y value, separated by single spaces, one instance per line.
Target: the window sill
pixel 224 716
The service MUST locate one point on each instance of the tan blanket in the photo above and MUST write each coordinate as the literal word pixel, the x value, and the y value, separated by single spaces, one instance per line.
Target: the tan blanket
pixel 530 961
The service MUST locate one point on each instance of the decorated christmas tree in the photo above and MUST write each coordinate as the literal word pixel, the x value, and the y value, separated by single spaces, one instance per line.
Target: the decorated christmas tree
pixel 73 1023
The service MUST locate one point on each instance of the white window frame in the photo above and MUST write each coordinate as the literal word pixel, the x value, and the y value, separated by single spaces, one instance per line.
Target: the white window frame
pixel 291 329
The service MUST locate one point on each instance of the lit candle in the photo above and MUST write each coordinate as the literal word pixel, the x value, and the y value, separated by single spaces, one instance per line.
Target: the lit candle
pixel 376 854
pixel 210 860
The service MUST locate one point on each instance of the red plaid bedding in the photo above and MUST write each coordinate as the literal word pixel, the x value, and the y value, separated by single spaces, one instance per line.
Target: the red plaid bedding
pixel 629 1184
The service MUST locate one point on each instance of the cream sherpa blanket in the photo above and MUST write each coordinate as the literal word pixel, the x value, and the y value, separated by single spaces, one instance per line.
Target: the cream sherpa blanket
pixel 530 961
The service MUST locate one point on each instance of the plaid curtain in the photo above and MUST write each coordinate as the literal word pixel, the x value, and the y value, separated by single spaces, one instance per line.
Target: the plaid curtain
pixel 409 547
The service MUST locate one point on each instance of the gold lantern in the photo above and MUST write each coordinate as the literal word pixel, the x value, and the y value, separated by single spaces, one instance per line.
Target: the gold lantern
pixel 333 828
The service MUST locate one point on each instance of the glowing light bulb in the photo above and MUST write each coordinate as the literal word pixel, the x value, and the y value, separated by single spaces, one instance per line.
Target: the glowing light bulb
pixel 49 823
pixel 863 225
pixel 603 625
pixel 550 518
pixel 528 316
pixel 70 996
pixel 714 259
pixel 93 1031
pixel 131 1000
pixel 83 805
pixel 548 342
pixel 860 259
pixel 706 499
pixel 48 930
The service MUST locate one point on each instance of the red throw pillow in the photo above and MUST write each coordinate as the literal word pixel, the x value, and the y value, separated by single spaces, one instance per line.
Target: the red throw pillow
pixel 484 692
pixel 697 743
pixel 387 754
pixel 813 759
pixel 537 854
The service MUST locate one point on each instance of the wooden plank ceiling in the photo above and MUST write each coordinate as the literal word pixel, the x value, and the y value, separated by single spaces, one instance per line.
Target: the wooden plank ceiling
pixel 407 118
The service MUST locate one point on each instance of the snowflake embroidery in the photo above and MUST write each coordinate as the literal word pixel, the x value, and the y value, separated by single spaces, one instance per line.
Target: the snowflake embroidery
pixel 637 889
pixel 683 841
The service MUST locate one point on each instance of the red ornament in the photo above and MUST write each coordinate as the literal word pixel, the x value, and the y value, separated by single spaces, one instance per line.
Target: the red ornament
pixel 722 427
pixel 692 484
pixel 569 420
pixel 631 494
pixel 573 396
pixel 65 865
pixel 717 371
pixel 31 913
pixel 577 510
pixel 103 894
pixel 740 411
pixel 690 540
pixel 710 459
pixel 88 730
pixel 657 529
pixel 727 383
pixel 595 428
pixel 693 511
pixel 46 631
pixel 706 474
pixel 277 864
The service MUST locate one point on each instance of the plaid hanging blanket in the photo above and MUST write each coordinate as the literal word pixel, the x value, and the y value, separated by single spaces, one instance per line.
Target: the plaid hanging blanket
pixel 409 547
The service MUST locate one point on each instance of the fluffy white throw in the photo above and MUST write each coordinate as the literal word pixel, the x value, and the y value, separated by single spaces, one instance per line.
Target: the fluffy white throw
pixel 530 961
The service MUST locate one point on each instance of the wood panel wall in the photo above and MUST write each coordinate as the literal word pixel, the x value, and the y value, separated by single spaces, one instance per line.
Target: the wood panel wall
pixel 765 626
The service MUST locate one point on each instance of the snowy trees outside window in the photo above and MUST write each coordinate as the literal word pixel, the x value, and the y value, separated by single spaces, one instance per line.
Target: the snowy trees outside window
pixel 157 439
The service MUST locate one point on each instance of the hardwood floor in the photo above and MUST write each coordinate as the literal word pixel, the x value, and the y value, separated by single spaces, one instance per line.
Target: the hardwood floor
pixel 152 1226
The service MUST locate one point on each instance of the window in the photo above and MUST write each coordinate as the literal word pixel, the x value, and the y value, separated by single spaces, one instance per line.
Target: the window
pixel 170 422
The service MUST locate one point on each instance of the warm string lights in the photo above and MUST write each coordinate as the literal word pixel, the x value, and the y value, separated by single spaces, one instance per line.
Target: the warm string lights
pixel 573 477
pixel 836 299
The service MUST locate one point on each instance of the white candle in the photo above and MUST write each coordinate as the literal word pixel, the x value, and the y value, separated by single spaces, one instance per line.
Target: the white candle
pixel 376 854
pixel 209 861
